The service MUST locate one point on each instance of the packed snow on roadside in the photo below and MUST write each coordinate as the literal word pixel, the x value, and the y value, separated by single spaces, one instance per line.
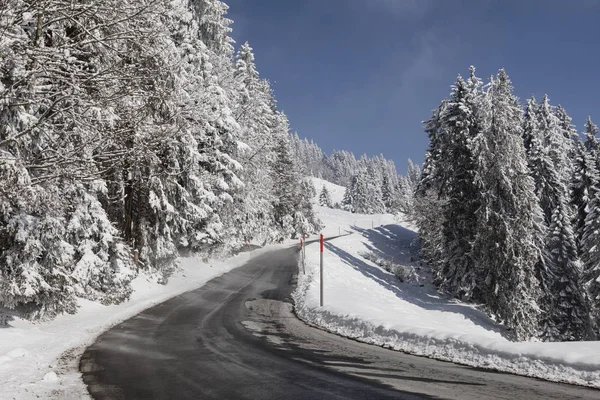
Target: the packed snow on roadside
pixel 40 360
pixel 364 301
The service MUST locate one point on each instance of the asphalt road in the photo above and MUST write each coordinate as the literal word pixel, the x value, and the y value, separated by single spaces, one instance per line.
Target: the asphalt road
pixel 237 338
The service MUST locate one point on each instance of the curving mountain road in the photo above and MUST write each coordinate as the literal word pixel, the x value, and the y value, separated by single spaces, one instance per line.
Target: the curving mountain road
pixel 237 338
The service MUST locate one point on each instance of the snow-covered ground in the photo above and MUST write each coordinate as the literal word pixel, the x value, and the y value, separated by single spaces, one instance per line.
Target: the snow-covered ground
pixel 337 221
pixel 336 192
pixel 40 360
pixel 367 303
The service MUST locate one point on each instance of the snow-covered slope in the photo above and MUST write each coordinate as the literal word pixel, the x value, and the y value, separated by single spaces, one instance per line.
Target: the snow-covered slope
pixel 336 192
pixel 365 302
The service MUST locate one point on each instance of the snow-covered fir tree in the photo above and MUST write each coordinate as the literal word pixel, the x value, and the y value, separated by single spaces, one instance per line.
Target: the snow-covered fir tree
pixel 508 230
pixel 568 131
pixel 428 199
pixel 347 200
pixel 359 193
pixel 451 171
pixel 402 198
pixel 292 213
pixel 586 190
pixel 583 189
pixel 591 258
pixel 388 193
pixel 341 166
pixel 363 196
pixel 305 220
pixel 250 216
pixel 591 137
pixel 325 198
pixel 543 273
pixel 564 305
pixel 375 184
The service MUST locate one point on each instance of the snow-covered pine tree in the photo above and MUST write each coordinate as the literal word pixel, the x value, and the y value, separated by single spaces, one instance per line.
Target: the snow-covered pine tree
pixel 388 194
pixel 250 215
pixel 292 206
pixel 305 220
pixel 342 166
pixel 556 136
pixel 413 174
pixel 583 189
pixel 347 200
pixel 591 258
pixel 206 169
pixel 460 125
pixel 215 27
pixel 325 198
pixel 309 156
pixel 591 138
pixel 185 161
pixel 374 183
pixel 530 124
pixel 404 197
pixel 147 134
pixel 588 183
pixel 568 131
pixel 402 200
pixel 508 226
pixel 564 304
pixel 428 200
pixel 360 194
pixel 541 168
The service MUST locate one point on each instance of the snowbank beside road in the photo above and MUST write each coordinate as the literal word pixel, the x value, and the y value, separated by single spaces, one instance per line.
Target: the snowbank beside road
pixel 40 360
pixel 367 303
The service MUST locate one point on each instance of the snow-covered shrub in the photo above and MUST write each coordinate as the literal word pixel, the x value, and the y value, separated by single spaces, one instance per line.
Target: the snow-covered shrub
pixel 404 273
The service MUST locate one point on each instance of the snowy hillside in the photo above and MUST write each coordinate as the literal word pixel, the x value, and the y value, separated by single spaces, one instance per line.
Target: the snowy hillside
pixel 365 302
pixel 336 192
pixel 336 221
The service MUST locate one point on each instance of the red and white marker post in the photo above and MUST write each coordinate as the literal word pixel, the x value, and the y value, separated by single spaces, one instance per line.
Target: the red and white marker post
pixel 322 248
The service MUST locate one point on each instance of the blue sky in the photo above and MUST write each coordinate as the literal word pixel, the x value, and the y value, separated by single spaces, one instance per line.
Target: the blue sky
pixel 361 75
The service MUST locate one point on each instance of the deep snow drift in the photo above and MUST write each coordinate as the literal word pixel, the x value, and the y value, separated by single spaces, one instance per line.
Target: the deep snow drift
pixel 365 302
